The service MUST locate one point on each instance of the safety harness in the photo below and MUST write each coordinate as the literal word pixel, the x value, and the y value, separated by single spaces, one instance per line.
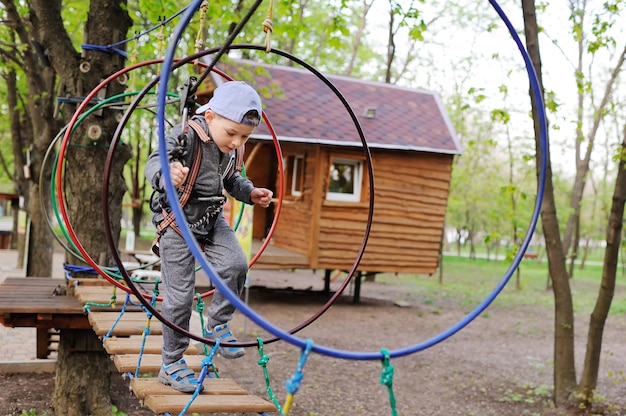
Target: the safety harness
pixel 169 219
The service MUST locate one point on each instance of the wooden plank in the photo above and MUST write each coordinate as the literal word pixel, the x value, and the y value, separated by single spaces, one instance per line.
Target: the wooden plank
pixel 107 316
pixel 34 320
pixel 33 304
pixel 208 404
pixel 131 323
pixel 151 363
pixel 34 282
pixel 101 295
pixel 132 345
pixel 83 281
pixel 143 387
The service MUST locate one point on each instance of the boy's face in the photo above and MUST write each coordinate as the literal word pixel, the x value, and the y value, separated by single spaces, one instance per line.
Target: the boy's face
pixel 227 134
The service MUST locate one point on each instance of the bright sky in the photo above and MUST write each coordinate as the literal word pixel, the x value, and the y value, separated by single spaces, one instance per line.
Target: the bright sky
pixel 448 44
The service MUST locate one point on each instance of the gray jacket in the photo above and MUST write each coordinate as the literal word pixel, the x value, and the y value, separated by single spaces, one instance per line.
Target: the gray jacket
pixel 217 172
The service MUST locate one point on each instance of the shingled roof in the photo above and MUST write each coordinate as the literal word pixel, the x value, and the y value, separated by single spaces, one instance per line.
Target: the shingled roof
pixel 301 108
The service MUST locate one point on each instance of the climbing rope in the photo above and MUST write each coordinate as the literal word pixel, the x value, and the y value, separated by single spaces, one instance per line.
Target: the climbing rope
pixel 263 363
pixel 207 363
pixel 386 378
pixel 293 384
pixel 200 310
pixel 199 44
pixel 268 27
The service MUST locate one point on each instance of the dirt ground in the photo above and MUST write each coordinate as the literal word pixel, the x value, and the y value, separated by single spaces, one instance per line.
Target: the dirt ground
pixel 499 365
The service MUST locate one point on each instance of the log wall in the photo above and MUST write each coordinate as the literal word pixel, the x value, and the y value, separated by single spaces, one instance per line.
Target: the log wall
pixel 411 192
pixel 409 213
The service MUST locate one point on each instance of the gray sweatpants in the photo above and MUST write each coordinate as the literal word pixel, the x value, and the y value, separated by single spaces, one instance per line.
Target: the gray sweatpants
pixel 224 253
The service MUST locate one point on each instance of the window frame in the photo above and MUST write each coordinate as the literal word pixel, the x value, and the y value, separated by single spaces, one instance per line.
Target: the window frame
pixel 297 175
pixel 357 178
pixel 293 165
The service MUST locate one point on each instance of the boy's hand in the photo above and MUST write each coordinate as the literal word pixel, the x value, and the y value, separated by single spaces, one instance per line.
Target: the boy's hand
pixel 178 173
pixel 261 197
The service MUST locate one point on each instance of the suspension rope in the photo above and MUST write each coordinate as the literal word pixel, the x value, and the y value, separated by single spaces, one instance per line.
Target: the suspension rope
pixel 225 47
pixel 386 378
pixel 207 363
pixel 293 384
pixel 200 310
pixel 263 363
pixel 199 44
pixel 146 330
pixel 268 27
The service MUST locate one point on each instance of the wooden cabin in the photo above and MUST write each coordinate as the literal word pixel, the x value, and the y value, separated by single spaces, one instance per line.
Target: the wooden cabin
pixel 326 192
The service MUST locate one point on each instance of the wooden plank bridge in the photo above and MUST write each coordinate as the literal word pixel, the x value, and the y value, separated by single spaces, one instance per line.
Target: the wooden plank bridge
pixel 40 303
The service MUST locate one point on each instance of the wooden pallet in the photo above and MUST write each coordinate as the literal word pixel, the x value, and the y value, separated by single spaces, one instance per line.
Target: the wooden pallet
pixel 124 344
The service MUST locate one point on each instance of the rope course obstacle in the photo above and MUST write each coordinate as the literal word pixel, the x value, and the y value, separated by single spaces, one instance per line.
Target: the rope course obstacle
pixel 166 67
pixel 148 302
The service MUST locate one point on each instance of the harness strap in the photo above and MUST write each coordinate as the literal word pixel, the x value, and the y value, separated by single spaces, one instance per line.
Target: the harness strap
pixel 169 219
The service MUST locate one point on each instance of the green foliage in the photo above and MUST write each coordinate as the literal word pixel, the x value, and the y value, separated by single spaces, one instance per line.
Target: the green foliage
pixel 116 412
pixel 528 394
pixel 32 412
pixel 469 281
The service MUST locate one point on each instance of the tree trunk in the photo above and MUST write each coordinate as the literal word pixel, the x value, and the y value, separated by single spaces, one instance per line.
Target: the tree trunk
pixel 40 84
pixel 21 131
pixel 564 363
pixel 600 312
pixel 391 44
pixel 83 372
pixel 583 260
pixel 582 161
pixel 573 256
pixel 358 37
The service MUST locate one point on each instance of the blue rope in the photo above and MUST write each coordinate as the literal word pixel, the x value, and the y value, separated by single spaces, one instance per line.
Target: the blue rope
pixel 207 362
pixel 119 316
pixel 105 49
pixel 146 330
pixel 111 48
pixel 293 384
pixel 161 23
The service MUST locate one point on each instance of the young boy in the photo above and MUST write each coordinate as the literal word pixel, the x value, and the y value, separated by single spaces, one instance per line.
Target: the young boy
pixel 229 119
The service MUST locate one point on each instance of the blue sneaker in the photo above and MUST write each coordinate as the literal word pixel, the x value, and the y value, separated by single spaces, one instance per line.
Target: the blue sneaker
pixel 223 333
pixel 179 377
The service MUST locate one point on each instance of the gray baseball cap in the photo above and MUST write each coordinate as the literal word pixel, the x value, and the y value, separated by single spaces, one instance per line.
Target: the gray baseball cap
pixel 232 100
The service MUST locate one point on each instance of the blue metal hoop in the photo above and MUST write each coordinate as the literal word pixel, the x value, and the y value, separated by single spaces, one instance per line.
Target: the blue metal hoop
pixel 338 353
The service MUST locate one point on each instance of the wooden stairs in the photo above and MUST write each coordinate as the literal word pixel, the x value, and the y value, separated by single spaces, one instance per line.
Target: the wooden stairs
pixel 124 343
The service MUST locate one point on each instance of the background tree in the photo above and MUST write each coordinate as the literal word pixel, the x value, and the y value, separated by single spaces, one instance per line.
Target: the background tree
pixel 566 390
pixel 47 59
pixel 590 42
pixel 31 83
pixel 564 370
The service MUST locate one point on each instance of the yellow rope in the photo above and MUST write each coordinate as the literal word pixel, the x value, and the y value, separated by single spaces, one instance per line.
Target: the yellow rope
pixel 199 41
pixel 133 61
pixel 161 36
pixel 288 403
pixel 268 27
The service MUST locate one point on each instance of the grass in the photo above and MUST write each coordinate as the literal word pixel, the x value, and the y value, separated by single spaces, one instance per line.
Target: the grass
pixel 468 282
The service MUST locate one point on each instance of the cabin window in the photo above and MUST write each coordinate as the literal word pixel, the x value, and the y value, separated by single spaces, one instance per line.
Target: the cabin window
pixel 345 180
pixel 294 169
